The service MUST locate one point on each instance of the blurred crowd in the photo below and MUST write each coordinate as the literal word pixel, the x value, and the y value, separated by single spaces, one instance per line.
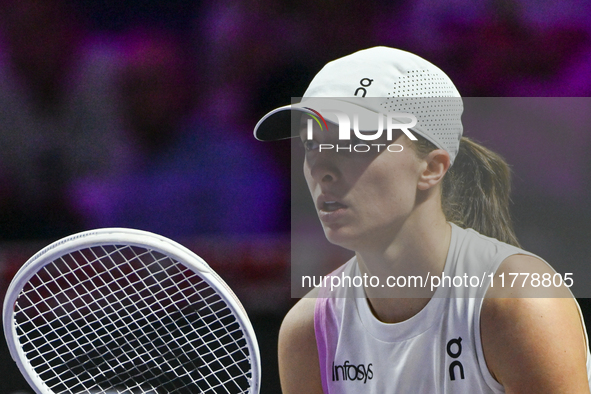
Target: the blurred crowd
pixel 140 114
pixel 101 128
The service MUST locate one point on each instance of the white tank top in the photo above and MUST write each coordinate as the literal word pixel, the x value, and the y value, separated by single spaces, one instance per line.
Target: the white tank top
pixel 436 351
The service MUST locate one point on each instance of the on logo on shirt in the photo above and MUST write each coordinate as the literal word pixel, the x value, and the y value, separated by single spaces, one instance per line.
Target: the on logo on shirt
pixel 455 352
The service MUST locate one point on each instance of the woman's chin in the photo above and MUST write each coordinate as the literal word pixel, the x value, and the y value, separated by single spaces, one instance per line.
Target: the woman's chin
pixel 342 237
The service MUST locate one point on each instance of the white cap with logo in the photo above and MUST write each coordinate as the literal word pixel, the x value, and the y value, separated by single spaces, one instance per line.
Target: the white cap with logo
pixel 372 81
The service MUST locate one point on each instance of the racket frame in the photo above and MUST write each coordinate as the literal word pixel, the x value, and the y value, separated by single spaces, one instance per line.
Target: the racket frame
pixel 119 236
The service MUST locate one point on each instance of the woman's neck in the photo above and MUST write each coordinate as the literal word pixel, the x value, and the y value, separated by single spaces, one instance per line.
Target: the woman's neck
pixel 418 250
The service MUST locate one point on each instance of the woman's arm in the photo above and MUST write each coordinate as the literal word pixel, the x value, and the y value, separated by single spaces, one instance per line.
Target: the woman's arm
pixel 299 368
pixel 533 345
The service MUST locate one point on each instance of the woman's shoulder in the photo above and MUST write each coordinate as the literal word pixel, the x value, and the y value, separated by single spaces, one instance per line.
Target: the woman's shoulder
pixel 300 318
pixel 298 324
pixel 302 313
pixel 532 332
pixel 535 344
pixel 298 354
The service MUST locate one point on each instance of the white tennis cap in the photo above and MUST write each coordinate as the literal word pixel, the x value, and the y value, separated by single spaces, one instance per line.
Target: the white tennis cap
pixel 373 81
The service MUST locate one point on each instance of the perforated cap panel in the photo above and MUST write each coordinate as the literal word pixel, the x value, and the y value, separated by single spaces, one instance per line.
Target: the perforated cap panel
pixel 432 98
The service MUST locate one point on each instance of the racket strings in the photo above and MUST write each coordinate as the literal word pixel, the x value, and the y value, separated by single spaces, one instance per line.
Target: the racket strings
pixel 131 320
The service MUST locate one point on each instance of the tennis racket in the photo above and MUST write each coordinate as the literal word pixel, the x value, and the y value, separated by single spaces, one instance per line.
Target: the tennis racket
pixel 127 311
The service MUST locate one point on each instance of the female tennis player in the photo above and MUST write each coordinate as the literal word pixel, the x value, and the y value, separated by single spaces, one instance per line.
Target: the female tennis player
pixel 415 199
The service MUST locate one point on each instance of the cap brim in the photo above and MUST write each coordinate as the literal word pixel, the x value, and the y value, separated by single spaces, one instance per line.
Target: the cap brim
pixel 281 122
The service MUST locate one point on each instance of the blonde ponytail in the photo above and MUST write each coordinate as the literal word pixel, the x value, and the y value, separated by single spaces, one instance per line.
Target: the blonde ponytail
pixel 476 189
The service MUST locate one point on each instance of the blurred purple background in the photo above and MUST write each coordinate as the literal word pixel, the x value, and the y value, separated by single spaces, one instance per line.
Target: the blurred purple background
pixel 140 114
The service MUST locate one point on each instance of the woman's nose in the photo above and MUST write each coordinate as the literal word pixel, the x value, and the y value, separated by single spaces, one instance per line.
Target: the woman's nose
pixel 324 167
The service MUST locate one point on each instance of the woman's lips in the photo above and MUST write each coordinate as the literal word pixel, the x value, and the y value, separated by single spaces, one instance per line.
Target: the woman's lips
pixel 331 206
pixel 331 211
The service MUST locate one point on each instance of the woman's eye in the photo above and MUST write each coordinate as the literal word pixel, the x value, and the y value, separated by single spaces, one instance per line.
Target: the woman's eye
pixel 310 145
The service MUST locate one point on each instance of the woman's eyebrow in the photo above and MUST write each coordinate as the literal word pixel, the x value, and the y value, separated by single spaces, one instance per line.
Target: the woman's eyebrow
pixel 303 133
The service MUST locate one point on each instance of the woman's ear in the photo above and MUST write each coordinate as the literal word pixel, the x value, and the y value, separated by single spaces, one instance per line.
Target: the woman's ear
pixel 437 162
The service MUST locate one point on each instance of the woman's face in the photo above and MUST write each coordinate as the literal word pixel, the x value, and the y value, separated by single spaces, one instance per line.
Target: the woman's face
pixel 362 198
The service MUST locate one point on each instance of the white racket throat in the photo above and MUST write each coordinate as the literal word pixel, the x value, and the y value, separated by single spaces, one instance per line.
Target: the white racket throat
pixel 127 311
